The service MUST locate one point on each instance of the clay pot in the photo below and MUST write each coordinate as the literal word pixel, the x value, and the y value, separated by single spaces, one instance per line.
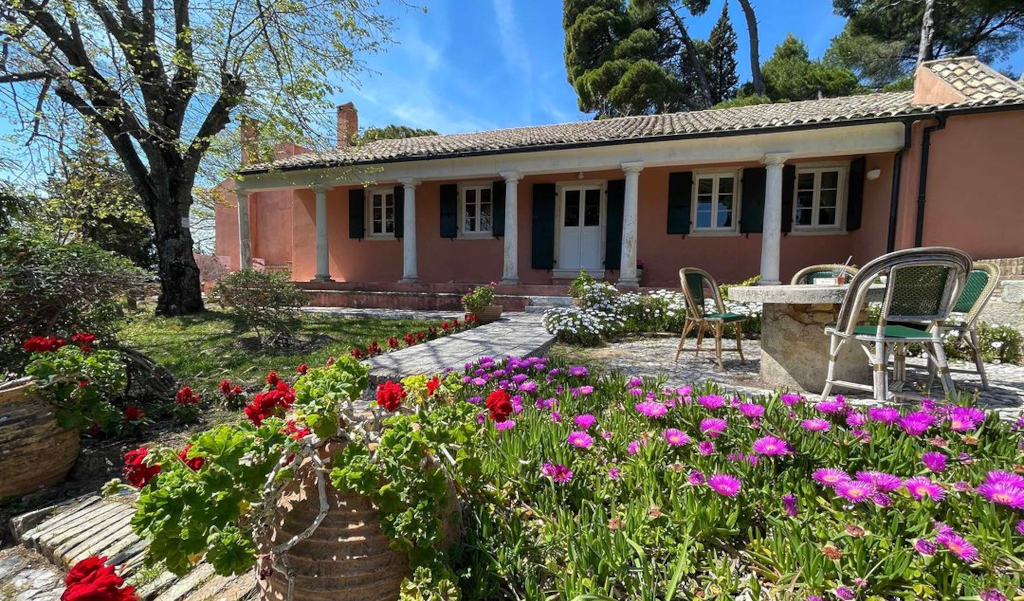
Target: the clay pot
pixel 35 451
pixel 347 557
pixel 487 314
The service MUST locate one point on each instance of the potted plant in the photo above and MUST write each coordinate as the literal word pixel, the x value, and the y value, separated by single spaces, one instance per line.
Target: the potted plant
pixel 479 303
pixel 66 390
pixel 310 476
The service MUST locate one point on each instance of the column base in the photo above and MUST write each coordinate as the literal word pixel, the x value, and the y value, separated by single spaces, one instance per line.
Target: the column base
pixel 412 280
pixel 322 278
pixel 628 282
pixel 509 281
pixel 769 283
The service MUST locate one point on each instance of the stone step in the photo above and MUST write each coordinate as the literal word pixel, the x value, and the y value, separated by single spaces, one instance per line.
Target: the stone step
pixel 540 304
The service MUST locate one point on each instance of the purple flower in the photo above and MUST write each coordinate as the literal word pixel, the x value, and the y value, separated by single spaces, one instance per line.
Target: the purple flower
pixel 696 478
pixel 830 476
pixel 992 594
pixel 1004 477
pixel 962 419
pixel 606 434
pixel 556 417
pixel 855 490
pixel 770 445
pixel 934 461
pixel 1003 493
pixel 845 593
pixel 713 426
pixel 881 499
pixel 882 481
pixel 924 547
pixel 652 409
pixel 529 387
pixel 586 390
pixel 916 423
pixel 831 406
pixel 614 473
pixel 1020 527
pixel 711 401
pixel 580 440
pixel 543 404
pixel 517 403
pixel 791 399
pixel 675 437
pixel 475 399
pixel 705 447
pixel 789 504
pixel 856 419
pixel 519 378
pixel 724 484
pixel 885 415
pixel 578 371
pixel 584 421
pixel 751 410
pixel 558 473
pixel 478 382
pixel 958 545
pixel 634 446
pixel 508 424
pixel 921 487
pixel 815 425
pixel 961 486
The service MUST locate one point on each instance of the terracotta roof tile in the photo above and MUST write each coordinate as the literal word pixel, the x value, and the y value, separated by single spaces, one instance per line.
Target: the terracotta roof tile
pixel 975 80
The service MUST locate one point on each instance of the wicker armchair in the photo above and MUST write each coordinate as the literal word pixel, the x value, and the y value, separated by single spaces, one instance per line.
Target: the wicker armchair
pixel 808 274
pixel 698 286
pixel 921 288
pixel 981 282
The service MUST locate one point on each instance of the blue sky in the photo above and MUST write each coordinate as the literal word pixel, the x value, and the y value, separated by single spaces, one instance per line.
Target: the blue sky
pixel 467 65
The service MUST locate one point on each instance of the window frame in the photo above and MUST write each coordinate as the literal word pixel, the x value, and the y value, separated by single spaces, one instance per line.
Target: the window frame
pixel 737 202
pixel 461 220
pixel 385 191
pixel 843 174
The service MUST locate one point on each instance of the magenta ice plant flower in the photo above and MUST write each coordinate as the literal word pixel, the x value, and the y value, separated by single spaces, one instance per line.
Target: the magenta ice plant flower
pixel 508 424
pixel 789 504
pixel 652 409
pixel 934 461
pixel 724 484
pixel 558 473
pixel 885 415
pixel 1003 493
pixel 816 424
pixel 751 410
pixel 963 419
pixel 634 446
pixel 770 445
pixel 992 594
pixel 584 421
pixel 916 423
pixel 696 478
pixel 556 417
pixel 614 473
pixel 920 487
pixel 675 437
pixel 790 399
pixel 924 547
pixel 855 490
pixel 580 440
pixel 845 593
pixel 711 401
pixel 1004 477
pixel 830 476
pixel 713 426
pixel 705 447
pixel 1020 527
pixel 882 481
pixel 830 406
pixel 958 546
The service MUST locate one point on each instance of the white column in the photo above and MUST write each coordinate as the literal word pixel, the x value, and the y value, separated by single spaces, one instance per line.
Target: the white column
pixel 409 227
pixel 771 238
pixel 244 248
pixel 323 255
pixel 510 273
pixel 627 268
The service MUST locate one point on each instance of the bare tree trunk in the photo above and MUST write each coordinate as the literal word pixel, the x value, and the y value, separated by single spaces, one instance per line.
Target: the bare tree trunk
pixel 694 59
pixel 755 53
pixel 924 51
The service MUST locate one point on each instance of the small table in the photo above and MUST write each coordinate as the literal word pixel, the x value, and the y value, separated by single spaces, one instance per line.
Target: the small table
pixel 794 347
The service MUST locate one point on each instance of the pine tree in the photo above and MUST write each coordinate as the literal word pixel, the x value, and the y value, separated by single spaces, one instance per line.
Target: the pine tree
pixel 721 63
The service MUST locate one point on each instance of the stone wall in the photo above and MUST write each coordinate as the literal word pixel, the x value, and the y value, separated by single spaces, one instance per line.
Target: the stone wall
pixel 1006 306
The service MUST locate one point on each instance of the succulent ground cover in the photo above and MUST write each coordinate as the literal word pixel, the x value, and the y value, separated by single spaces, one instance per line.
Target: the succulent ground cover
pixel 617 488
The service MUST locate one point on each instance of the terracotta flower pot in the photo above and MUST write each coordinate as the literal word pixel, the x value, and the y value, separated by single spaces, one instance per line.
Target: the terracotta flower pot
pixel 347 557
pixel 35 451
pixel 487 314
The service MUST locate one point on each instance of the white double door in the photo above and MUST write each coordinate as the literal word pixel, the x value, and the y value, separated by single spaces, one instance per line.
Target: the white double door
pixel 581 228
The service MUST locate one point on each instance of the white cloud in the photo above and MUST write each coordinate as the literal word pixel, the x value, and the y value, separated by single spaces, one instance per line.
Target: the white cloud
pixel 514 48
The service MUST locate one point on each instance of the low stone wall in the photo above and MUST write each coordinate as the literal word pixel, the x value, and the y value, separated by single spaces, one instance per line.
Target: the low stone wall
pixel 419 301
pixel 1006 306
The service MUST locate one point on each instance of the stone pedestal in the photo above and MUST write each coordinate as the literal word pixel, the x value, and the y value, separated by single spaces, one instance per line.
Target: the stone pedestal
pixel 794 348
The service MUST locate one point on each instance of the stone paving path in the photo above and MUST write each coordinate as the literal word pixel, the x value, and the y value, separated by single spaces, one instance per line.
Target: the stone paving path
pixel 516 334
pixel 383 313
pixel 652 356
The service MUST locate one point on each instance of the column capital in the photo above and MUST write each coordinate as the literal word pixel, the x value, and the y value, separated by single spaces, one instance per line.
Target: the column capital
pixel 320 188
pixel 633 167
pixel 409 182
pixel 511 176
pixel 775 158
pixel 242 192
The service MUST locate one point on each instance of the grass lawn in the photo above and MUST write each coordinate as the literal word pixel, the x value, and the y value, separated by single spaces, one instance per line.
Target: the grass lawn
pixel 203 349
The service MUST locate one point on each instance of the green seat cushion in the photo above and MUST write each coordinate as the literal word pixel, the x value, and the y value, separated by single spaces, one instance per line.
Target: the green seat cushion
pixel 893 331
pixel 726 317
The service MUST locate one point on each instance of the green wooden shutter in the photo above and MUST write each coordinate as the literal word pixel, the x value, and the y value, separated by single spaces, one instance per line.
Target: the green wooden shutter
pixel 356 213
pixel 752 207
pixel 680 195
pixel 855 194
pixel 788 189
pixel 542 254
pixel 449 210
pixel 399 211
pixel 613 226
pixel 498 206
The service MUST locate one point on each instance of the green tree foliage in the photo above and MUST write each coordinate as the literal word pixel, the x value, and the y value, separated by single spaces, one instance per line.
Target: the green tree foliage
pixel 790 74
pixel 880 42
pixel 90 197
pixel 720 59
pixel 392 132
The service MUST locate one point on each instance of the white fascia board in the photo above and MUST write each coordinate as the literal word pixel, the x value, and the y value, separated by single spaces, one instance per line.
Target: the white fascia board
pixel 796 144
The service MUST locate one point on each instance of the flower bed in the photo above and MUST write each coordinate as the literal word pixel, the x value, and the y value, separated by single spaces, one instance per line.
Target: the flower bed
pixel 394 343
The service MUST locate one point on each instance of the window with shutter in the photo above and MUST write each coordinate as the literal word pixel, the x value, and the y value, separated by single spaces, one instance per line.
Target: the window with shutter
pixel 680 186
pixel 542 255
pixel 356 213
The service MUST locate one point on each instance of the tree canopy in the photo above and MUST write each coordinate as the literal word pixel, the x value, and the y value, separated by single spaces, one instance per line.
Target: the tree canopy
pixel 790 74
pixel 392 132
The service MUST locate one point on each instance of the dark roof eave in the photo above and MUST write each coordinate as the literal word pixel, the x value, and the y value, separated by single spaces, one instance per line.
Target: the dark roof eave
pixel 925 114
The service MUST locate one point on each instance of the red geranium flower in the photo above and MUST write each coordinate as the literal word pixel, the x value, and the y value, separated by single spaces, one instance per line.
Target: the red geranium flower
pixel 302 368
pixel 410 339
pixel 358 354
pixel 272 378
pixel 91 580
pixel 374 349
pixel 499 403
pixel 195 463
pixel 390 395
pixel 392 342
pixel 43 344
pixel 185 396
pixel 446 326
pixel 292 429
pixel 432 385
pixel 136 472
pixel 83 340
pixel 455 323
pixel 225 387
pixel 271 403
pixel 133 413
pixel 330 361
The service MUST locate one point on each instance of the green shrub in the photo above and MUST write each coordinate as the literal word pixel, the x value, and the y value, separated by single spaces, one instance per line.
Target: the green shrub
pixel 998 343
pixel 266 302
pixel 479 297
pixel 51 289
pixel 80 384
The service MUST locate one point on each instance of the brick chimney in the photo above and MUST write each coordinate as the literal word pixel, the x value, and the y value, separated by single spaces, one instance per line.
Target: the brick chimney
pixel 248 139
pixel 348 124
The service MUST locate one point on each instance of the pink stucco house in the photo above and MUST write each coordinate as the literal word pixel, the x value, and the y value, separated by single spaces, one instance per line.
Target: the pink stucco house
pixel 753 190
